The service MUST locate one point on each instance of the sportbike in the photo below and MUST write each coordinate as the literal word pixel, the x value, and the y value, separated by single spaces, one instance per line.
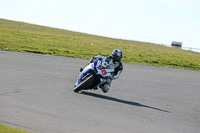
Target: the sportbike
pixel 93 75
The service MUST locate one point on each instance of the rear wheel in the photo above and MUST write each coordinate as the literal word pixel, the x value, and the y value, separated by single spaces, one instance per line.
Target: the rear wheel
pixel 84 83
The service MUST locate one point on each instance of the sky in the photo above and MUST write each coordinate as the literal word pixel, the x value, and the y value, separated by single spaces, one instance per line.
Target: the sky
pixel 154 21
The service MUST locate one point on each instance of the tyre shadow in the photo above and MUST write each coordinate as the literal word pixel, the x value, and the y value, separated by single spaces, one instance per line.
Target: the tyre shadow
pixel 120 101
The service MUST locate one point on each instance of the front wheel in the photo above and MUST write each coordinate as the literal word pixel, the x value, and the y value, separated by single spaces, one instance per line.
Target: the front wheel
pixel 84 83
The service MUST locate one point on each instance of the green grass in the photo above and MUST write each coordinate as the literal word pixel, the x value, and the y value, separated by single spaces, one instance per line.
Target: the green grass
pixel 23 37
pixel 8 129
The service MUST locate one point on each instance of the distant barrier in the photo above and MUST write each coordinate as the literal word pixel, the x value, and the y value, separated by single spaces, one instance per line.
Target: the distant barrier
pixel 192 49
pixel 185 48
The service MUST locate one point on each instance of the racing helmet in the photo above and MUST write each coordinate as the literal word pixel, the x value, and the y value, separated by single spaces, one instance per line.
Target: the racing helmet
pixel 117 55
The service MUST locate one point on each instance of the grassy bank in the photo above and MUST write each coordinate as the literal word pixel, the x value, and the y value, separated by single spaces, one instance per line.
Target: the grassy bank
pixel 8 129
pixel 23 37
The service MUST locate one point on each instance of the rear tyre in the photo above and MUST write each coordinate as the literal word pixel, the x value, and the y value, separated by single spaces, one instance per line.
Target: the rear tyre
pixel 84 83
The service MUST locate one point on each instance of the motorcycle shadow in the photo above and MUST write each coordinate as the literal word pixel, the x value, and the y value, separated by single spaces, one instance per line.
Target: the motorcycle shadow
pixel 120 101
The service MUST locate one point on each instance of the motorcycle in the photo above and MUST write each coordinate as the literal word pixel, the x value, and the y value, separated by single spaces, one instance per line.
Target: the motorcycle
pixel 93 75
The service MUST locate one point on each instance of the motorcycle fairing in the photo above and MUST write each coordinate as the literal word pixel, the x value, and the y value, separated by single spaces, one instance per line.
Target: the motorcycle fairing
pixel 101 73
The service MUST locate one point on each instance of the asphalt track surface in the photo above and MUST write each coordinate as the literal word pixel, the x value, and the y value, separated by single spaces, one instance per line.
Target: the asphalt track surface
pixel 36 94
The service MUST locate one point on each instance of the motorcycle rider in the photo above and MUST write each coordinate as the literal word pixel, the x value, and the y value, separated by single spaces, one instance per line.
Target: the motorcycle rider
pixel 111 62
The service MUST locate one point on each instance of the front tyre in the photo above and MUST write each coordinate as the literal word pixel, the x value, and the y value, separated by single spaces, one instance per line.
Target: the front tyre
pixel 84 83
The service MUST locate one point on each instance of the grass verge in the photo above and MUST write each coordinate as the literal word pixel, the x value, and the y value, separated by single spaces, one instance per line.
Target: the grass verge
pixel 8 129
pixel 23 37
